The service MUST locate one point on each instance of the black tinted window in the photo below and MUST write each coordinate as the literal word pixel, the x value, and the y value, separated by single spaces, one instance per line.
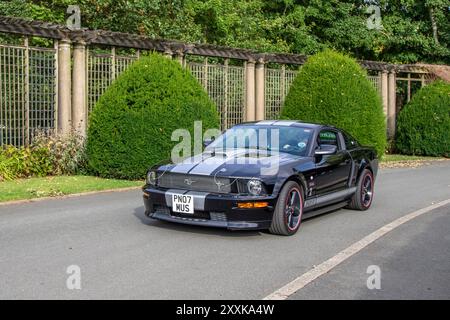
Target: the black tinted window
pixel 294 140
pixel 328 137
pixel 350 142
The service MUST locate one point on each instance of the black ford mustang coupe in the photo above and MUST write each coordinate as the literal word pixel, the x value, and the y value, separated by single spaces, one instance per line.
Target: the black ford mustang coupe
pixel 264 175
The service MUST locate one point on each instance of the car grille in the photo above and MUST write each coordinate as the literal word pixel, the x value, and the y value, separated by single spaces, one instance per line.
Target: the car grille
pixel 195 183
pixel 218 216
pixel 202 215
pixel 164 210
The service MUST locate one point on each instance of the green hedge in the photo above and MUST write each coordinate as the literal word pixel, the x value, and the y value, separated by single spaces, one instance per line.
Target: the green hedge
pixel 130 127
pixel 423 126
pixel 333 89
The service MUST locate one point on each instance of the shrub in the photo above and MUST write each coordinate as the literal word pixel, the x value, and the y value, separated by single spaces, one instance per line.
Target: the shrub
pixel 333 89
pixel 6 168
pixel 423 126
pixel 130 127
pixel 66 151
pixel 53 154
pixel 25 162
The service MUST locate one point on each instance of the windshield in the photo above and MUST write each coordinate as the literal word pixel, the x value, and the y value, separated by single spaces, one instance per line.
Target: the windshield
pixel 293 140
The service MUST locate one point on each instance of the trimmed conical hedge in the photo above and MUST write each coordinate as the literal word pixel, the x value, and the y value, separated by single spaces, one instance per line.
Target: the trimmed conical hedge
pixel 131 125
pixel 333 89
pixel 423 126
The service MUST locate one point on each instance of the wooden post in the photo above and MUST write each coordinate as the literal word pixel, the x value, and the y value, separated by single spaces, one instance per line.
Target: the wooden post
pixel 392 105
pixel 250 91
pixel 225 93
pixel 283 92
pixel 64 86
pixel 79 88
pixel 260 88
pixel 113 63
pixel 179 56
pixel 205 74
pixel 385 91
pixel 26 127
pixel 56 75
pixel 168 53
pixel 409 88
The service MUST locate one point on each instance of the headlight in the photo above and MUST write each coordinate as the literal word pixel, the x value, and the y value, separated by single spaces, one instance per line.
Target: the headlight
pixel 255 187
pixel 151 178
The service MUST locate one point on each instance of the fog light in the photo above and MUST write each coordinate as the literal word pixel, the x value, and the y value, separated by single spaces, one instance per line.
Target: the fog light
pixel 261 204
pixel 245 205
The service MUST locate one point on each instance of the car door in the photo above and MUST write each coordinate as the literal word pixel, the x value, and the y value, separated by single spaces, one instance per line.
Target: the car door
pixel 332 171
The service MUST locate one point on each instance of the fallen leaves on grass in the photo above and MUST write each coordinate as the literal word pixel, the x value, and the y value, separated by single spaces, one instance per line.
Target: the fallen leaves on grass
pixel 409 163
pixel 45 193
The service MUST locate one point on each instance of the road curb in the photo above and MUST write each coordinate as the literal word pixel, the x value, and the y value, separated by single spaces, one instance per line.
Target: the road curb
pixel 67 196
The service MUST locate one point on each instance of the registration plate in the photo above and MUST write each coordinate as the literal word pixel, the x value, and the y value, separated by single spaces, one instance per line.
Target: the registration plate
pixel 183 203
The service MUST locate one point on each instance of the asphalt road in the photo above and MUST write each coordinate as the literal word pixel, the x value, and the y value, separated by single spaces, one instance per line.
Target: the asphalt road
pixel 122 254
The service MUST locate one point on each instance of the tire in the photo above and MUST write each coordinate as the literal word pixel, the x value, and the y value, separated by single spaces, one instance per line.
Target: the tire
pixel 286 217
pixel 363 197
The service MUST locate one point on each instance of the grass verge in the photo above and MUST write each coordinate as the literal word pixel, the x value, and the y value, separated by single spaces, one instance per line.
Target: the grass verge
pixel 405 161
pixel 401 157
pixel 58 186
pixel 32 188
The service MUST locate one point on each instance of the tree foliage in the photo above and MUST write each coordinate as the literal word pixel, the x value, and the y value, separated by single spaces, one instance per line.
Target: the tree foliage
pixel 424 123
pixel 412 30
pixel 130 127
pixel 333 89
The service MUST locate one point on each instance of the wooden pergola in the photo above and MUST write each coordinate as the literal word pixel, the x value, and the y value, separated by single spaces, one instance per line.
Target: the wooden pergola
pixel 72 77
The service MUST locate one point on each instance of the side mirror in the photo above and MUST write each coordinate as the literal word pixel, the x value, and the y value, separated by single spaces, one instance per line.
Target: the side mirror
pixel 325 150
pixel 207 142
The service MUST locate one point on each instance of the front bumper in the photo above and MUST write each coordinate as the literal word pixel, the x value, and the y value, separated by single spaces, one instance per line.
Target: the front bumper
pixel 212 210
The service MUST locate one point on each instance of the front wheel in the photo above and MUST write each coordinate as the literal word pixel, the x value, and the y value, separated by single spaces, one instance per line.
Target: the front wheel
pixel 362 199
pixel 288 212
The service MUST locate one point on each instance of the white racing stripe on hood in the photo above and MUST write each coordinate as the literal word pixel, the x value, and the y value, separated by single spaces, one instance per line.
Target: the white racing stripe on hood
pixel 205 164
pixel 209 165
pixel 187 165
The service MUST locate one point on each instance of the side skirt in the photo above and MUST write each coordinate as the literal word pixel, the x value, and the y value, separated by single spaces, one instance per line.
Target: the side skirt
pixel 329 199
pixel 323 210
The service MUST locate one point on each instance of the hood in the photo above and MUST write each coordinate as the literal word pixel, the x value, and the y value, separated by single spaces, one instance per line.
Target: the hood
pixel 235 163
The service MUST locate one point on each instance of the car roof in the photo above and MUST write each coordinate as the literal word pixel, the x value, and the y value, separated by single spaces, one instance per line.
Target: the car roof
pixel 288 123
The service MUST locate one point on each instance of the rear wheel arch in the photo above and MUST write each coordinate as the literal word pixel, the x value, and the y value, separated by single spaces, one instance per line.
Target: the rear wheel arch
pixel 365 164
pixel 363 196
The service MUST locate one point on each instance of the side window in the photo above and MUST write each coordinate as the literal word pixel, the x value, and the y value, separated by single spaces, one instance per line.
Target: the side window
pixel 328 137
pixel 350 142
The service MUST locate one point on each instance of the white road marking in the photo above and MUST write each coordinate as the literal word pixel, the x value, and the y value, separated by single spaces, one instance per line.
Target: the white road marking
pixel 308 277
